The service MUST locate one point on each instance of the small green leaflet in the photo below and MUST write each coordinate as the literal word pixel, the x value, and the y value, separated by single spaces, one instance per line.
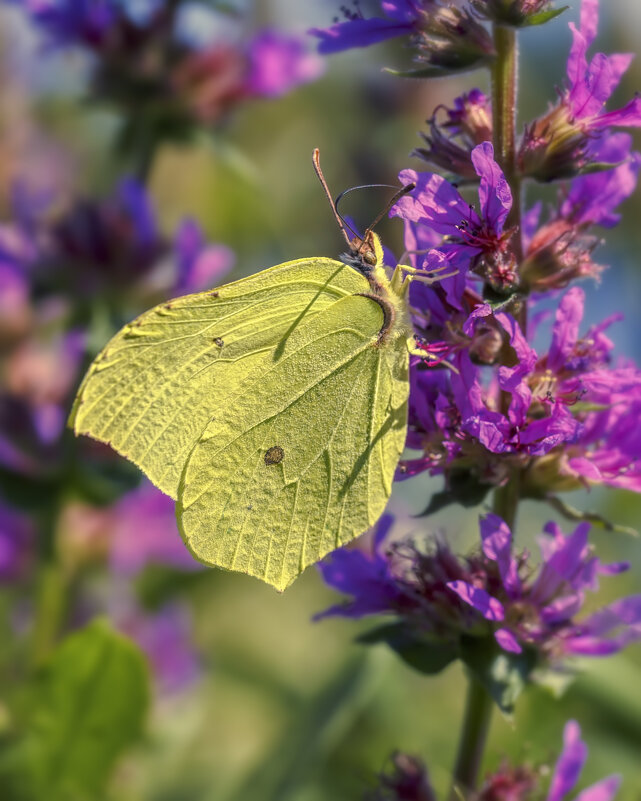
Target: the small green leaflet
pixel 272 409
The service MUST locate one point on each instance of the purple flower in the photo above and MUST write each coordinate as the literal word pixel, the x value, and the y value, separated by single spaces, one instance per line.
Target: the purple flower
pixel 165 637
pixel 278 63
pixel 493 593
pixel 400 18
pixel 86 22
pixel 17 541
pixel 199 265
pixel 561 143
pixel 368 578
pixel 143 531
pixel 445 38
pixel 590 85
pixel 475 241
pixel 568 769
pixel 561 249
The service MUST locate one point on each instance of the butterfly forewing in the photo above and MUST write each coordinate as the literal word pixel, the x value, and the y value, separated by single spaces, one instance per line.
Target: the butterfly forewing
pixel 302 460
pixel 155 387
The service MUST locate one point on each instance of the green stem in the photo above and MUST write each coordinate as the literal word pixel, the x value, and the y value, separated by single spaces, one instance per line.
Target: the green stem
pixel 50 611
pixel 504 93
pixel 504 73
pixel 476 725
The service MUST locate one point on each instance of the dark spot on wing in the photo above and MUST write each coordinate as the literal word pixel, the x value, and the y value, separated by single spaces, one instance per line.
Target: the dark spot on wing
pixel 213 294
pixel 274 455
pixel 218 341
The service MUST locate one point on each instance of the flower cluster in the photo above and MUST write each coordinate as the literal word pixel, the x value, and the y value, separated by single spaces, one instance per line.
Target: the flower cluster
pixel 442 600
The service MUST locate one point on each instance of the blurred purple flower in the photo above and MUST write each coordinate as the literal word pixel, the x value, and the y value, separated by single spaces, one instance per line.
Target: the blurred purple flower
pixel 568 769
pixel 17 542
pixel 86 22
pixel 278 63
pixel 199 265
pixel 144 531
pixel 165 636
pixel 492 593
pixel 400 18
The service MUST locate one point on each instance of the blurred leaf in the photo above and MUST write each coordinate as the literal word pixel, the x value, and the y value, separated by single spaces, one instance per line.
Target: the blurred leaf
pixel 504 675
pixel 426 656
pixel 88 705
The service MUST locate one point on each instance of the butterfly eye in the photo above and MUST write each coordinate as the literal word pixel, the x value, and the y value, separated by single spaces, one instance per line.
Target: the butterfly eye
pixel 369 257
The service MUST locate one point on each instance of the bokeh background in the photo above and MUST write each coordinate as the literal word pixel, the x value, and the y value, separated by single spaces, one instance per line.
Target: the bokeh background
pixel 267 705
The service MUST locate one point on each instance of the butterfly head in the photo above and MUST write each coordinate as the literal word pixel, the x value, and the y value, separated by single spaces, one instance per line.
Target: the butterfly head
pixel 364 253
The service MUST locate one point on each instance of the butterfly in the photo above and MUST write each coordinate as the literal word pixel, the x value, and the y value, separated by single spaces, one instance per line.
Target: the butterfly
pixel 272 409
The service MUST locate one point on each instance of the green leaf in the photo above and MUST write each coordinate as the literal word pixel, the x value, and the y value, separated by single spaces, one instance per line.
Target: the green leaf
pixel 89 704
pixel 504 675
pixel 544 16
pixel 572 513
pixel 426 655
pixel 599 166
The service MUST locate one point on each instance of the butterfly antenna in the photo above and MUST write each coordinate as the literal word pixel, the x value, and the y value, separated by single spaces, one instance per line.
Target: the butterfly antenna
pixel 321 178
pixel 404 190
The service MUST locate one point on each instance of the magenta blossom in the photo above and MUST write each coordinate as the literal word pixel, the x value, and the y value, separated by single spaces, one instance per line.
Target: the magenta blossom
pixel 561 249
pixel 561 143
pixel 475 240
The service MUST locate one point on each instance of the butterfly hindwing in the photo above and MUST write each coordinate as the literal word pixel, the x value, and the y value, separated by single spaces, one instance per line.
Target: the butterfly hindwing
pixel 157 383
pixel 302 460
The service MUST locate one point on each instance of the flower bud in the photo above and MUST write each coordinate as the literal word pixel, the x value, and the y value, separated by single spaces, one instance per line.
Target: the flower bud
pixel 560 252
pixel 450 39
pixel 554 147
pixel 516 13
pixel 450 143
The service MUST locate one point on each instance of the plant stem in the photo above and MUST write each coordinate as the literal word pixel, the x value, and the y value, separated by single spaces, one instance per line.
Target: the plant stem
pixel 504 93
pixel 504 73
pixel 50 611
pixel 476 724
